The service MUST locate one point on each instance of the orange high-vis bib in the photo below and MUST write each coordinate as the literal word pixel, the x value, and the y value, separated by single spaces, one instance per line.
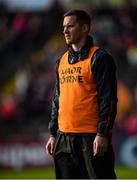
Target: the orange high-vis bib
pixel 78 103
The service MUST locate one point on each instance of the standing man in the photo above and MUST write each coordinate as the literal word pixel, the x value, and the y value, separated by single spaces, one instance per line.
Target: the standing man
pixel 84 106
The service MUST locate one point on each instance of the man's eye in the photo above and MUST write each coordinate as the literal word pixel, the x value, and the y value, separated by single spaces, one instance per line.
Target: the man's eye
pixel 71 26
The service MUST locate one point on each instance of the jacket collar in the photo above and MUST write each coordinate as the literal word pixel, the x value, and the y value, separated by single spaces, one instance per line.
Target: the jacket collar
pixel 83 54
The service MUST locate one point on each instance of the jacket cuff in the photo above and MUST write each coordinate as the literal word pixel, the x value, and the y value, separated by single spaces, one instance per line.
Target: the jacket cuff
pixel 101 134
pixel 52 128
pixel 51 135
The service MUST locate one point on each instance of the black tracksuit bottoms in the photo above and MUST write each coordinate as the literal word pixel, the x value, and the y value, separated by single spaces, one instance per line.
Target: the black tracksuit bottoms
pixel 73 158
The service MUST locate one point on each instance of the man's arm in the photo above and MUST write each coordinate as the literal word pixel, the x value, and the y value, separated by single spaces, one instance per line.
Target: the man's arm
pixel 53 124
pixel 104 71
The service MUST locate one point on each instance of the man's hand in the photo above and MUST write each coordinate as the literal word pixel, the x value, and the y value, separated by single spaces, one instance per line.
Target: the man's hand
pixel 100 145
pixel 50 145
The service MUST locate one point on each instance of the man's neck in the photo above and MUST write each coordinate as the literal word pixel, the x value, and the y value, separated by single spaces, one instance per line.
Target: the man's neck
pixel 77 47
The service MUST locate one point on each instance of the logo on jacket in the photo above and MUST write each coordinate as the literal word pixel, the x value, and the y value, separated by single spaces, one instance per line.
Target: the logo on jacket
pixel 71 75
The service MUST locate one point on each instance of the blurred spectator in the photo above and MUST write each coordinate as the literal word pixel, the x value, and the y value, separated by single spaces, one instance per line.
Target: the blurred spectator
pixel 35 102
pixel 125 102
pixel 19 24
pixel 4 32
pixel 34 26
pixel 19 27
pixel 9 108
pixel 130 125
pixel 132 57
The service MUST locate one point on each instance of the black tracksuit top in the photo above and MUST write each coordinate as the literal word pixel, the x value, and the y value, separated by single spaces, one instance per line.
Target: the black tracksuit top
pixel 104 71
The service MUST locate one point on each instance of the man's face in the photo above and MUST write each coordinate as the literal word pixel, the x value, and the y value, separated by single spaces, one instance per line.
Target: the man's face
pixel 72 30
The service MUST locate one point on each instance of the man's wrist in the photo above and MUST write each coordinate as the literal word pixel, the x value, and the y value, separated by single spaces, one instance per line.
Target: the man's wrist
pixel 101 134
pixel 51 135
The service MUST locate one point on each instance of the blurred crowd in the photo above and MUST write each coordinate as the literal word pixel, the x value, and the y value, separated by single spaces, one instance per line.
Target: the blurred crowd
pixel 30 44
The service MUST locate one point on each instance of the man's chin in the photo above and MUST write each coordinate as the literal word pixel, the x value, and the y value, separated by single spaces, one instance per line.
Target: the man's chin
pixel 68 42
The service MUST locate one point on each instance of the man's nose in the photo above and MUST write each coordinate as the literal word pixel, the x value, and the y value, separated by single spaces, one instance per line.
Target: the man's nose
pixel 65 30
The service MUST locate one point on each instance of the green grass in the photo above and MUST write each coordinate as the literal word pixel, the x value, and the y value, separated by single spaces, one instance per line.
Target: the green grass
pixel 126 173
pixel 48 173
pixel 29 173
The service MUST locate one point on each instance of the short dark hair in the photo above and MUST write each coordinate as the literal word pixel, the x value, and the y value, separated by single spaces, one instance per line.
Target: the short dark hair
pixel 82 16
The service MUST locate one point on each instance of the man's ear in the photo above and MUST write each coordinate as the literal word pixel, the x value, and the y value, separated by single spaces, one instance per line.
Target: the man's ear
pixel 85 28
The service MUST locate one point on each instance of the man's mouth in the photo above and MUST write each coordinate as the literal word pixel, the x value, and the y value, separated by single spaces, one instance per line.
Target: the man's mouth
pixel 67 37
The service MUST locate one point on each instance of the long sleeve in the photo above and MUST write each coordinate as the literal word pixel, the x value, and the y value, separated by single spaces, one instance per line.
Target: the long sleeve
pixel 53 124
pixel 104 70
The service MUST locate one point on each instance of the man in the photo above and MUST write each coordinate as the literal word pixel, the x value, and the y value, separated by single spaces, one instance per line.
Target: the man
pixel 84 106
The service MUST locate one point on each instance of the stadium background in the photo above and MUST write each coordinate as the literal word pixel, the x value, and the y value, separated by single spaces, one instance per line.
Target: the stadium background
pixel 31 41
